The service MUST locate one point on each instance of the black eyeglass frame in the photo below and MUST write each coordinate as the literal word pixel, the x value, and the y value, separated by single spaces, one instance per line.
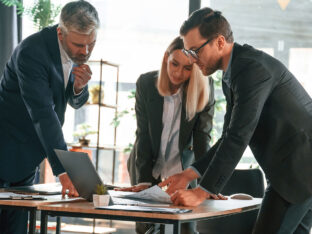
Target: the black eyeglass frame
pixel 194 53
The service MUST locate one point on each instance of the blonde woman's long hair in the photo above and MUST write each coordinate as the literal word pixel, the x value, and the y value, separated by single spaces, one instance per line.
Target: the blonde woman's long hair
pixel 196 88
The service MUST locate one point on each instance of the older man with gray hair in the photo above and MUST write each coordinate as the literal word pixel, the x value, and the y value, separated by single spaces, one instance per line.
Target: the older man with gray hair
pixel 46 71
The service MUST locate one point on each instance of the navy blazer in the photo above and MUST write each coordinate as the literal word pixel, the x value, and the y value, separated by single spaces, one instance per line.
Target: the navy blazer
pixel 271 112
pixel 32 105
pixel 194 135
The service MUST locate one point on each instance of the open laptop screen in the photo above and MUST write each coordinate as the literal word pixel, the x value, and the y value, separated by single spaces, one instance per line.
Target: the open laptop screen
pixel 81 171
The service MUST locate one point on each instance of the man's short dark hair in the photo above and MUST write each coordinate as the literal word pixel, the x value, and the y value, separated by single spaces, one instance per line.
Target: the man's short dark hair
pixel 210 23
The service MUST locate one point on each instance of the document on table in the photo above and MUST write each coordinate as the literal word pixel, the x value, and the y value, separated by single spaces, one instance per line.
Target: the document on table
pixel 154 193
pixel 145 209
pixel 50 198
pixel 14 196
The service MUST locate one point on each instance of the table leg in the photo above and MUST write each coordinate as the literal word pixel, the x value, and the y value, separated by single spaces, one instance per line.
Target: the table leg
pixel 58 225
pixel 177 227
pixel 44 222
pixel 32 221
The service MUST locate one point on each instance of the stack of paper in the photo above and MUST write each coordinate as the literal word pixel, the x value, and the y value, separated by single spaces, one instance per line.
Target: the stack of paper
pixel 154 195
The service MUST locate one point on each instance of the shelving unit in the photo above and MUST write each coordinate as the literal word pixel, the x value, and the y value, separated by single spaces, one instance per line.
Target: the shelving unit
pixel 98 146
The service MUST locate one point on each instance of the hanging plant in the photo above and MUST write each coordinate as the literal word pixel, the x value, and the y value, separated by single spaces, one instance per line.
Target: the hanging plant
pixel 42 13
pixel 17 3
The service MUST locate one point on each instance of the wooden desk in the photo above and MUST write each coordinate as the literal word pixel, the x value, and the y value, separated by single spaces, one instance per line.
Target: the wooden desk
pixel 209 209
pixel 32 205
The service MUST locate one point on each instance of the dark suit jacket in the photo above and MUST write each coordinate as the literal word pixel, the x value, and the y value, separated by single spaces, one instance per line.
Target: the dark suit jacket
pixel 194 135
pixel 270 111
pixel 32 104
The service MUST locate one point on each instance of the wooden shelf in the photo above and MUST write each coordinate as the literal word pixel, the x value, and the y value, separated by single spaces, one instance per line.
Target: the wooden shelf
pixel 104 62
pixel 102 147
pixel 102 105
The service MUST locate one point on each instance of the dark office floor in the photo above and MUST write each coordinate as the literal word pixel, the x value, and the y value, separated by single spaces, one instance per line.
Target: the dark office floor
pixel 81 225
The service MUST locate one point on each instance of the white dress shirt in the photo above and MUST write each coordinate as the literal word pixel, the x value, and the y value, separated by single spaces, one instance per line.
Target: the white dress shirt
pixel 67 64
pixel 169 159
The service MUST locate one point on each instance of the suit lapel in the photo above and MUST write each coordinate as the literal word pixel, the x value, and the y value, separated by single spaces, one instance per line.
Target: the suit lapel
pixel 227 93
pixel 69 85
pixel 156 111
pixel 185 125
pixel 50 37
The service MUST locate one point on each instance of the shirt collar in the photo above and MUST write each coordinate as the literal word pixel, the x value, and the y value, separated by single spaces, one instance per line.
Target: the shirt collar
pixel 178 95
pixel 64 56
pixel 227 73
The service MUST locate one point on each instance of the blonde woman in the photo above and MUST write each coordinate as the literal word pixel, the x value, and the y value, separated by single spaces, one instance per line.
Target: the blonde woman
pixel 174 110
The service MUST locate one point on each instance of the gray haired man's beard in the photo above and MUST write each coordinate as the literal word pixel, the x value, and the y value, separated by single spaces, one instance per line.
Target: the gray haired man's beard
pixel 80 60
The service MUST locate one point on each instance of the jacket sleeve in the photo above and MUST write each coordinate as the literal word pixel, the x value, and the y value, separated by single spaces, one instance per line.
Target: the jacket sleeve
pixel 250 89
pixel 33 79
pixel 143 160
pixel 77 101
pixel 203 126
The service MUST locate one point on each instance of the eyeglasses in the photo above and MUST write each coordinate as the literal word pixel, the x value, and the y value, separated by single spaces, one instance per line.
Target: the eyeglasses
pixel 194 53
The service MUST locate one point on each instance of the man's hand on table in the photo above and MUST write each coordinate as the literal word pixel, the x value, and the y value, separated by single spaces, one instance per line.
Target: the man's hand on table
pixel 135 188
pixel 193 197
pixel 179 181
pixel 67 186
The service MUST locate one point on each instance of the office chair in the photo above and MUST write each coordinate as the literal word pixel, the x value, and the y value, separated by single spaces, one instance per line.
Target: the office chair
pixel 250 181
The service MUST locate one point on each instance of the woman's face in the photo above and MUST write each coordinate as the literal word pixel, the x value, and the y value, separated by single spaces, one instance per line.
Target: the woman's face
pixel 179 68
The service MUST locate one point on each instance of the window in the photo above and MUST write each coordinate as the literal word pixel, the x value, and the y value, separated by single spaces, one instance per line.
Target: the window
pixel 280 28
pixel 135 34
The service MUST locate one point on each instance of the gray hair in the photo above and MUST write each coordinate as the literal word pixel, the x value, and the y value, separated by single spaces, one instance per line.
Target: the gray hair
pixel 79 16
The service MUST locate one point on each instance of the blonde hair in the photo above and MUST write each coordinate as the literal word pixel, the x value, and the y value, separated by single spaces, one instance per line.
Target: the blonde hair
pixel 196 88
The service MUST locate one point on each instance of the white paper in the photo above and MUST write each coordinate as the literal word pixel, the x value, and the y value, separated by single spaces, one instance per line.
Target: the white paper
pixel 154 193
pixel 6 195
pixel 17 196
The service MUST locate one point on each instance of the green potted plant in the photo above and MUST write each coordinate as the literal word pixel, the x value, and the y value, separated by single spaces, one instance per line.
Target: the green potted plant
pixel 101 197
pixel 42 12
pixel 83 130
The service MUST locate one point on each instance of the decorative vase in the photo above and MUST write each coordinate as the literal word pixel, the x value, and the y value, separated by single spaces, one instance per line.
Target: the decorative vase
pixel 101 200
pixel 84 142
pixel 94 94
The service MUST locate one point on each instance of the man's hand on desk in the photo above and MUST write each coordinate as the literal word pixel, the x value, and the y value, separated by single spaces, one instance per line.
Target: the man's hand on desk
pixel 135 188
pixel 179 181
pixel 67 186
pixel 193 197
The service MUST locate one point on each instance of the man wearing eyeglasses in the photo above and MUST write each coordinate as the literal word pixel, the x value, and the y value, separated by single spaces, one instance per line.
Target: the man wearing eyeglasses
pixel 268 110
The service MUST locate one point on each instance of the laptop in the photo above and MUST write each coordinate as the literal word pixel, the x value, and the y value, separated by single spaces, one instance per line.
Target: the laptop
pixel 81 171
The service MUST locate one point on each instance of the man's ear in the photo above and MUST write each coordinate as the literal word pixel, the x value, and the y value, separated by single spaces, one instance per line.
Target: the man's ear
pixel 59 33
pixel 221 42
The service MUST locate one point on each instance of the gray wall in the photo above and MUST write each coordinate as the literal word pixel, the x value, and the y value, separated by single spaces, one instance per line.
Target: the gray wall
pixel 263 24
pixel 10 33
